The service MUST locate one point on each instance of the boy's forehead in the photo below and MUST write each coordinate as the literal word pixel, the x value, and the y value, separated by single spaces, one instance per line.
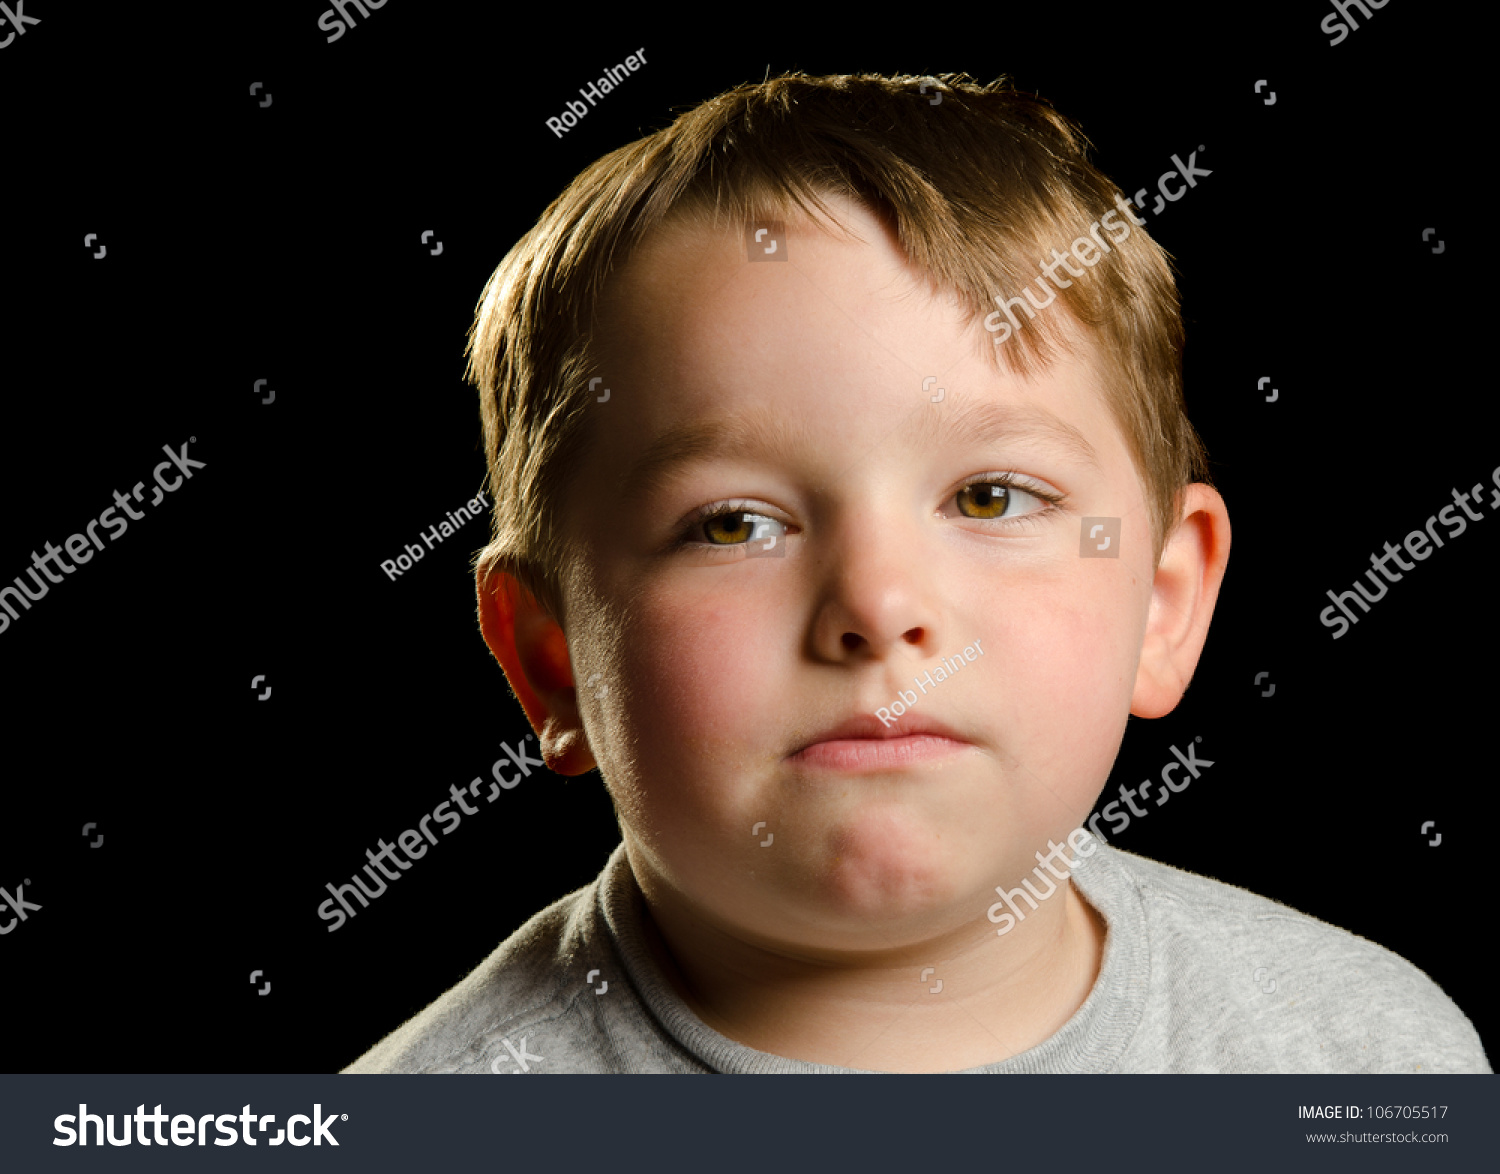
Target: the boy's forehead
pixel 684 257
pixel 843 323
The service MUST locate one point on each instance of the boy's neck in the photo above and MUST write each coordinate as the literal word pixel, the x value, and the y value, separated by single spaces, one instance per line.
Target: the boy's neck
pixel 999 997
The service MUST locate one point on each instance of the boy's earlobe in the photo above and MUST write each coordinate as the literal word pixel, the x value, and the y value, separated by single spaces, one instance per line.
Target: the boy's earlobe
pixel 533 650
pixel 1183 594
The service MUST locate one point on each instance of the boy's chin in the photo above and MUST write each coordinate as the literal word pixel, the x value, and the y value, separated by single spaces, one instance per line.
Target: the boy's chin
pixel 886 880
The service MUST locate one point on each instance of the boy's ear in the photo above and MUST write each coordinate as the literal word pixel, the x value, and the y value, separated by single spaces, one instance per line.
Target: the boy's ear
pixel 533 651
pixel 1183 595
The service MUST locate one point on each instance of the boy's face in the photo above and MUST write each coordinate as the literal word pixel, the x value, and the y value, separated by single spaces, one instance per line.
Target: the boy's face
pixel 720 667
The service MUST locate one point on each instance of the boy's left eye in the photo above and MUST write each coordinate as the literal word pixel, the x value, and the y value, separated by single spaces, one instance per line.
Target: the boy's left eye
pixel 984 499
pixel 998 495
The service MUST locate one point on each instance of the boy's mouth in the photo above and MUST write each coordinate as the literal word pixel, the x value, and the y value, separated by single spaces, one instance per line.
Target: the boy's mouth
pixel 865 742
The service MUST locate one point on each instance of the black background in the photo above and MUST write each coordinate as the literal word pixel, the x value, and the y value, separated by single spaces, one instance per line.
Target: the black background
pixel 283 243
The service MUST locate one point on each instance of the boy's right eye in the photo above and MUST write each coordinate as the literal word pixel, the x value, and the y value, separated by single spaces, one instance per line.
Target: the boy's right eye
pixel 728 526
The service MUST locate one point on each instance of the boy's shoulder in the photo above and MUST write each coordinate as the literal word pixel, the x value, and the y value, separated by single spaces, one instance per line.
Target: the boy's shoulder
pixel 552 997
pixel 1205 977
pixel 1245 983
pixel 521 983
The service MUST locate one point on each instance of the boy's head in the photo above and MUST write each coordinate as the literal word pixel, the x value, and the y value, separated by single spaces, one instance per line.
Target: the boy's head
pixel 849 411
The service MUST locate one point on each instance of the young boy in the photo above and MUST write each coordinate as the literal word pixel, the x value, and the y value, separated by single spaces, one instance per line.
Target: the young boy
pixel 846 506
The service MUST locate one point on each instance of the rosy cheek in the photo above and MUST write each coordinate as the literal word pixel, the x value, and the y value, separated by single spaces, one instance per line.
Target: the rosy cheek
pixel 682 679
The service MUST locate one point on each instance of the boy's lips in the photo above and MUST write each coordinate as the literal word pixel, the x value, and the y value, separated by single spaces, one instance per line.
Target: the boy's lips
pixel 865 742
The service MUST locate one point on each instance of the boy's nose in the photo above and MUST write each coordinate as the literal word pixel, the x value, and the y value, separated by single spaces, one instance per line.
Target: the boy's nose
pixel 878 588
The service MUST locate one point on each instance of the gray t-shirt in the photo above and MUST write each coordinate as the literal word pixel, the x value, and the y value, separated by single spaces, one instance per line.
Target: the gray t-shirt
pixel 1197 976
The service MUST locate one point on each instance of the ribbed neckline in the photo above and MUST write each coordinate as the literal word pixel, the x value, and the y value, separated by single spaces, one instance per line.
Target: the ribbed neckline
pixel 1093 1040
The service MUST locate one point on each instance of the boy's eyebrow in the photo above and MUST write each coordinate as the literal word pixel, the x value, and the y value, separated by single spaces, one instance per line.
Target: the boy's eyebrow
pixel 762 431
pixel 987 422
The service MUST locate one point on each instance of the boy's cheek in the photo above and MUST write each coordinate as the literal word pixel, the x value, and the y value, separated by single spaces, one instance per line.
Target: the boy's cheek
pixel 712 649
pixel 701 710
pixel 1067 664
